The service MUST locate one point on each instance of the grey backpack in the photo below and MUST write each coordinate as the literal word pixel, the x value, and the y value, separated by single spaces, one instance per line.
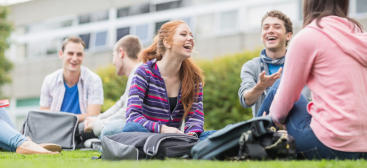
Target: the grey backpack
pixel 51 127
pixel 141 145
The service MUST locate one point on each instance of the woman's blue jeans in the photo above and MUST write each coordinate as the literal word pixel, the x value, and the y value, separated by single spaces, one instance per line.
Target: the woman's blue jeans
pixel 10 138
pixel 298 122
pixel 135 127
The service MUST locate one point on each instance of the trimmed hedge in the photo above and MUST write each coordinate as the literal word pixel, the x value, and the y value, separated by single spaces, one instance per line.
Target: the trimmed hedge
pixel 222 77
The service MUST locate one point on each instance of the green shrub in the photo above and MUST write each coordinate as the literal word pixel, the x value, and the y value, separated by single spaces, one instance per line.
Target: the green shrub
pixel 221 102
pixel 222 77
pixel 113 86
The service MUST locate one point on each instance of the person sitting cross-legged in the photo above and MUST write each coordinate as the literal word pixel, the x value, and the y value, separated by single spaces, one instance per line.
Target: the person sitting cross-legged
pixel 166 93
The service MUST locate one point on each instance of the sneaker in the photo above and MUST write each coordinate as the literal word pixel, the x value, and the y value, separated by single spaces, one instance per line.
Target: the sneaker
pixel 88 143
pixel 97 146
pixel 93 143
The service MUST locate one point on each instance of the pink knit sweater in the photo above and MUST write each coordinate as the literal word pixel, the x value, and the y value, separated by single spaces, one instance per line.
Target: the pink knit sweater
pixel 332 61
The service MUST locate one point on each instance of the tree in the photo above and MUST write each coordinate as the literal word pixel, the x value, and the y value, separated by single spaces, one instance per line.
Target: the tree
pixel 5 30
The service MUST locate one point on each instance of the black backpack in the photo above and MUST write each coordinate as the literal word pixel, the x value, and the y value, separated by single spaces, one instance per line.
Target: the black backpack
pixel 253 139
pixel 141 145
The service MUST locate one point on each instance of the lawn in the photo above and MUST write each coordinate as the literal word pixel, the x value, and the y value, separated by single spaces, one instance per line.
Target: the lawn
pixel 82 159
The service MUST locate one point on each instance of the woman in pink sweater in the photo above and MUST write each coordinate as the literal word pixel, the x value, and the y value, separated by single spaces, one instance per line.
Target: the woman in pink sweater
pixel 329 55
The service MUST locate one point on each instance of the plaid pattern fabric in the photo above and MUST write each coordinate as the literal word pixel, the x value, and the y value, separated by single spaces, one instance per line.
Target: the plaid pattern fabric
pixel 89 87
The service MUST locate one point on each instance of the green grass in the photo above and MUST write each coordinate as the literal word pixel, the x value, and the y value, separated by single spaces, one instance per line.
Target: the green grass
pixel 82 159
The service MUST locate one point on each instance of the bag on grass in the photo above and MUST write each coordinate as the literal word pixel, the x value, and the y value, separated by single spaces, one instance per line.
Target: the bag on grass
pixel 141 145
pixel 51 127
pixel 253 139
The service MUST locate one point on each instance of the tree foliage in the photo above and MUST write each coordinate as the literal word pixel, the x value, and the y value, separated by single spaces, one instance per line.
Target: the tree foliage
pixel 5 30
pixel 221 102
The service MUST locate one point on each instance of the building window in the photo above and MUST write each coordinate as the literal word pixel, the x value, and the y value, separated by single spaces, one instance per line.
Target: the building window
pixel 361 6
pixel 158 25
pixel 167 5
pixel 99 16
pixel 121 32
pixel 142 32
pixel 205 24
pixel 45 26
pixel 52 46
pixel 228 20
pixel 84 19
pixel 133 10
pixel 101 39
pixel 256 13
pixel 93 17
pixel 187 21
pixel 86 39
pixel 35 49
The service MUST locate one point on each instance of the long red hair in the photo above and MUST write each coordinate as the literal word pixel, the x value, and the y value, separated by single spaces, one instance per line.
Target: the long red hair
pixel 190 74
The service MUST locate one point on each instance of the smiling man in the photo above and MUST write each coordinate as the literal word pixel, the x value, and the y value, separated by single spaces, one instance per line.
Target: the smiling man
pixel 260 73
pixel 74 88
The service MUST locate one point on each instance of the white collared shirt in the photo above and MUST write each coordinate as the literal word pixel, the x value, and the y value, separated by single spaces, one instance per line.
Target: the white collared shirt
pixel 89 87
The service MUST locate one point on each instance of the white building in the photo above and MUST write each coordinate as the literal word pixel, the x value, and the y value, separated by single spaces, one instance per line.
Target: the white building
pixel 219 26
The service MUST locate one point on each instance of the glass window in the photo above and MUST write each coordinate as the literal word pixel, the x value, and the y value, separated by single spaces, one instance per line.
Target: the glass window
pixel 255 15
pixel 101 38
pixel 290 9
pixel 205 24
pixel 361 6
pixel 142 31
pixel 84 19
pixel 86 39
pixel 99 16
pixel 139 9
pixel 123 12
pixel 121 32
pixel 52 46
pixel 94 17
pixel 158 25
pixel 187 21
pixel 167 5
pixel 133 10
pixel 35 50
pixel 228 20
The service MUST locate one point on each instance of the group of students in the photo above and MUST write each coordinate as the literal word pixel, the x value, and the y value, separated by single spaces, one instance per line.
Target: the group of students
pixel 164 92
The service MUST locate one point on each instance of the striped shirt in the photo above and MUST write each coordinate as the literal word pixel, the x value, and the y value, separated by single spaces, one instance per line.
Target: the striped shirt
pixel 148 103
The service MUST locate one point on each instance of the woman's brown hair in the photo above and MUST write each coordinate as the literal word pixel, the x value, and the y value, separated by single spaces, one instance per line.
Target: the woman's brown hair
pixel 317 9
pixel 190 74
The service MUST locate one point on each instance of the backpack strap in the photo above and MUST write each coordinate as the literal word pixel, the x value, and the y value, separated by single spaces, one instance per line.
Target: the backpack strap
pixel 151 145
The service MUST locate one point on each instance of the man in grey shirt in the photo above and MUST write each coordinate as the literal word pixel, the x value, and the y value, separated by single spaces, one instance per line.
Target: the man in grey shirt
pixel 260 73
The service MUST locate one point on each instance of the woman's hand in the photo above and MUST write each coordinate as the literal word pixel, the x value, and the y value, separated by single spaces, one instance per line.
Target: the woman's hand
pixel 167 129
pixel 281 127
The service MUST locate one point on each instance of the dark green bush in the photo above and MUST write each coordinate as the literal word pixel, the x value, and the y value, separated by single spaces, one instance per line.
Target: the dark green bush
pixel 222 77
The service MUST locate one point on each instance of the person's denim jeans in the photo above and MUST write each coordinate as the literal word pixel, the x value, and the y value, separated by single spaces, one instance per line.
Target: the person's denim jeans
pixel 135 127
pixel 112 127
pixel 298 122
pixel 10 138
